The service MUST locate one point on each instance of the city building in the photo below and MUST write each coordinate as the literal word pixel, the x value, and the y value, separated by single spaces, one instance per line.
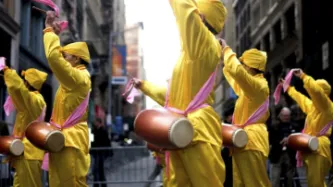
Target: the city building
pixel 22 44
pixel 278 31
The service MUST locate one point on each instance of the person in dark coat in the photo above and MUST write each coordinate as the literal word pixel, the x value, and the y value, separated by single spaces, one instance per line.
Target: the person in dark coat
pixel 228 110
pixel 281 157
pixel 101 139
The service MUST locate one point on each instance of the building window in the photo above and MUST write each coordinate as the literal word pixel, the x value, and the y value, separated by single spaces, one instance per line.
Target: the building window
pixel 32 24
pixel 267 42
pixel 290 16
pixel 8 6
pixel 277 31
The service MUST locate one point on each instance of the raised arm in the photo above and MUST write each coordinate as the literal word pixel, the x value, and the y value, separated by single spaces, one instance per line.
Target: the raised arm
pixel 23 99
pixel 319 98
pixel 250 85
pixel 155 92
pixel 231 82
pixel 196 39
pixel 68 76
pixel 304 102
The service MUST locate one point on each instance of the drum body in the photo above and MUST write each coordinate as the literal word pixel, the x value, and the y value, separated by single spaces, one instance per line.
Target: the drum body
pixel 233 136
pixel 155 148
pixel 44 136
pixel 11 146
pixel 163 128
pixel 303 142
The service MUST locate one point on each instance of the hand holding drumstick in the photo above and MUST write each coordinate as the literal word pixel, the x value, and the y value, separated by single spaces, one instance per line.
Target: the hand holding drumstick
pixel 50 20
pixel 135 81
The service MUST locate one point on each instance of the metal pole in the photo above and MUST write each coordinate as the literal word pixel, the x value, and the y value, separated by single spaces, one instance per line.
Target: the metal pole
pixel 110 78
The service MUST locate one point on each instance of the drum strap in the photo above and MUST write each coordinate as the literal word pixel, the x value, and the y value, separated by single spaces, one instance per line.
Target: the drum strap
pixel 76 115
pixel 259 113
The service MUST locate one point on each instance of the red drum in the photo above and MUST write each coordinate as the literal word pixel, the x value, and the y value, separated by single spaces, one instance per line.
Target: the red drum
pixel 303 142
pixel 164 128
pixel 233 136
pixel 155 148
pixel 44 136
pixel 11 146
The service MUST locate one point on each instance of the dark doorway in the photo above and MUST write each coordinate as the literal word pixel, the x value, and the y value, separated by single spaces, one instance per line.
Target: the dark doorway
pixel 4 52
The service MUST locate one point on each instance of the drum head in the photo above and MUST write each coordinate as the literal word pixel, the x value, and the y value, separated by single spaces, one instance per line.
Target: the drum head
pixel 313 144
pixel 239 138
pixel 55 141
pixel 16 148
pixel 181 133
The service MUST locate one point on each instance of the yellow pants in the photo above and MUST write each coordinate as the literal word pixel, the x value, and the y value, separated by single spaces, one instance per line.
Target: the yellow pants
pixel 199 165
pixel 28 173
pixel 68 168
pixel 317 168
pixel 249 169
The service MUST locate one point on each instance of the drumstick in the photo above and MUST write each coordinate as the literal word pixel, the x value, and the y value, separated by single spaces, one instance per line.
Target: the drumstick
pixel 40 10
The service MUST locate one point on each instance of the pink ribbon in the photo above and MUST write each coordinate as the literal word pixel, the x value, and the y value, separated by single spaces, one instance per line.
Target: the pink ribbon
pixel 63 25
pixel 131 92
pixel 9 106
pixel 50 3
pixel 285 86
pixel 71 121
pixel 2 63
pixel 158 160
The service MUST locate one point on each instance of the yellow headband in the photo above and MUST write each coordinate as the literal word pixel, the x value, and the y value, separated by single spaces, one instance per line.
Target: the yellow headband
pixel 34 77
pixel 214 11
pixel 324 85
pixel 78 49
pixel 255 59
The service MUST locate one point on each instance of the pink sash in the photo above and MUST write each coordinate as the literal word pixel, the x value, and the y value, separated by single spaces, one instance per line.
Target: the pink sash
pixel 256 114
pixel 71 121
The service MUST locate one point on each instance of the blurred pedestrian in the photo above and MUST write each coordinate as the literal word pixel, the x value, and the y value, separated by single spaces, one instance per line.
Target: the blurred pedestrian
pixel 101 139
pixel 282 157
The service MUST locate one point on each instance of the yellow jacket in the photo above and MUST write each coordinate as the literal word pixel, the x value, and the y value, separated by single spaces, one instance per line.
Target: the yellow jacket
pixel 74 86
pixel 29 106
pixel 200 55
pixel 252 92
pixel 319 111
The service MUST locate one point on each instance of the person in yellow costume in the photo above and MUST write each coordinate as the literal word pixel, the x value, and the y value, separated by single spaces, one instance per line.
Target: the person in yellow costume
pixel 245 76
pixel 29 105
pixel 200 164
pixel 70 166
pixel 319 111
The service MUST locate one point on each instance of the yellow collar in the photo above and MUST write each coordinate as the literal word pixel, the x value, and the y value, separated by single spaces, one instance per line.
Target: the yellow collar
pixel 80 67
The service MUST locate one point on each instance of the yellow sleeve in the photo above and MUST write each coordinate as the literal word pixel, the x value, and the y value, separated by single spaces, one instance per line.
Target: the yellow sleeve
pixel 319 99
pixel 155 92
pixel 304 102
pixel 231 82
pixel 250 86
pixel 195 36
pixel 68 76
pixel 23 99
